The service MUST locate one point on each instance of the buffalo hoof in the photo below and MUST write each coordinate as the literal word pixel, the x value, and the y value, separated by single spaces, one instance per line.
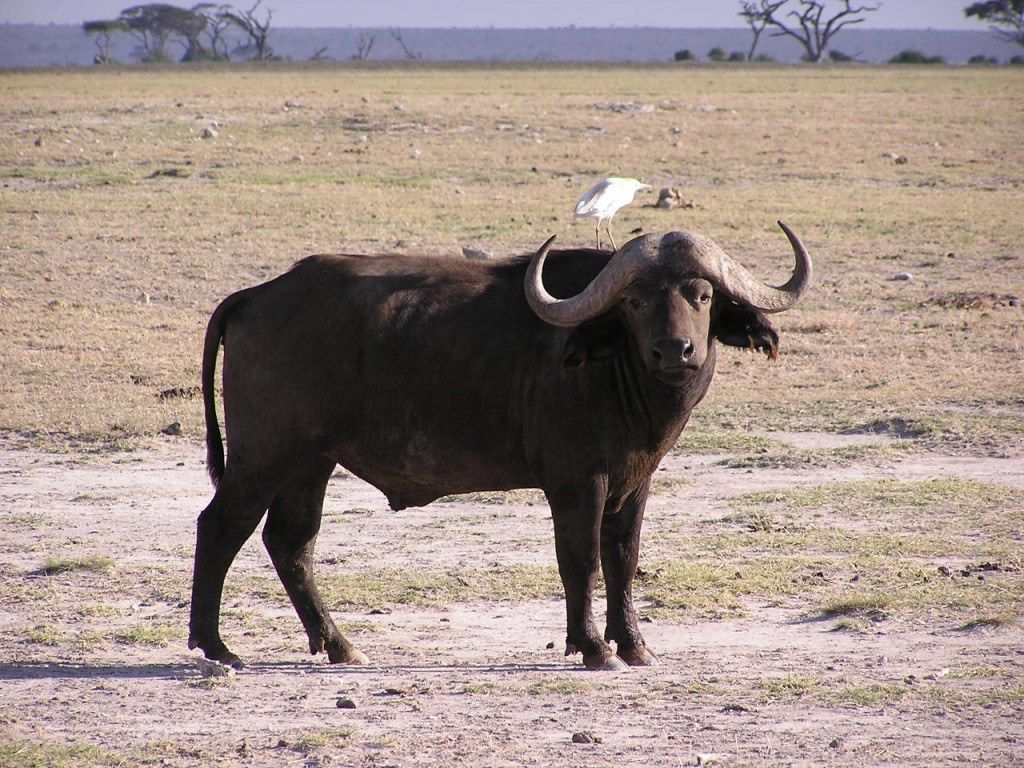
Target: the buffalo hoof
pixel 638 657
pixel 227 658
pixel 347 656
pixel 603 663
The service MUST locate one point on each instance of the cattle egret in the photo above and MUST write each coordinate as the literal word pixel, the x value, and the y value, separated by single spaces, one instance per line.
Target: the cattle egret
pixel 604 199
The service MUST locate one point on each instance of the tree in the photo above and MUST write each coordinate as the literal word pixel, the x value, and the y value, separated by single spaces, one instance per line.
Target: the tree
pixel 756 16
pixel 217 24
pixel 257 31
pixel 153 25
pixel 812 29
pixel 406 48
pixel 102 29
pixel 684 55
pixel 364 44
pixel 716 54
pixel 1005 17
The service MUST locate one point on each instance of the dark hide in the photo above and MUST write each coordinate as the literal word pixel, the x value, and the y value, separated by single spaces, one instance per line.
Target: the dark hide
pixel 427 377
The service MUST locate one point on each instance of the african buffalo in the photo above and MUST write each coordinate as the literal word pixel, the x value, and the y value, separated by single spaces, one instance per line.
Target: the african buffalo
pixel 429 376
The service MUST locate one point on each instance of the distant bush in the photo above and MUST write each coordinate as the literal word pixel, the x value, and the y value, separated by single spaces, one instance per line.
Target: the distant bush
pixel 684 55
pixel 737 56
pixel 1016 61
pixel 764 57
pixel 716 54
pixel 839 56
pixel 980 59
pixel 915 57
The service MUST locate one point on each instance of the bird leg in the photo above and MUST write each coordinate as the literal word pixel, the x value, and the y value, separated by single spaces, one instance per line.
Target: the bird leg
pixel 608 229
pixel 597 231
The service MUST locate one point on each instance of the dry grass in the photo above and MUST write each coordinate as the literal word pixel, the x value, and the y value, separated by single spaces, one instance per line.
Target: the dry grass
pixel 501 155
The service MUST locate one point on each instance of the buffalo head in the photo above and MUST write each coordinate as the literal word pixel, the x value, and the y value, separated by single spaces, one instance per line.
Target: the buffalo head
pixel 673 294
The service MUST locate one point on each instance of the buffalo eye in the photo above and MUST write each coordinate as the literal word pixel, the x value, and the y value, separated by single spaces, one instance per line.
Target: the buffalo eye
pixel 635 303
pixel 704 298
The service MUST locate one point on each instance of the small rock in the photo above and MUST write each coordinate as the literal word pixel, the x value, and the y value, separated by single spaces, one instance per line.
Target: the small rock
pixel 585 737
pixel 901 160
pixel 945 571
pixel 209 668
pixel 210 133
pixel 291 105
pixel 416 154
pixel 364 100
pixel 889 155
pixel 344 702
pixel 550 645
pixel 709 758
pixel 144 297
pixel 34 216
pixel 39 141
pixel 836 742
pixel 903 276
pixel 1014 301
pixel 173 429
pixel 243 749
pixel 476 254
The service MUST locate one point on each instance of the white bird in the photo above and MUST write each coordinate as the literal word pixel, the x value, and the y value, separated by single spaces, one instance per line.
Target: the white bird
pixel 603 200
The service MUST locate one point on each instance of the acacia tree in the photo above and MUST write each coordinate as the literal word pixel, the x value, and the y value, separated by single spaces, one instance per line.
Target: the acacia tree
pixel 811 27
pixel 407 49
pixel 101 30
pixel 256 30
pixel 154 24
pixel 364 44
pixel 1005 17
pixel 756 16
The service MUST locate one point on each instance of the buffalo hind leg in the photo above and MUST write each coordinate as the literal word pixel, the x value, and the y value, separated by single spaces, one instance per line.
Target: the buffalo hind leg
pixel 223 527
pixel 577 519
pixel 290 538
pixel 620 551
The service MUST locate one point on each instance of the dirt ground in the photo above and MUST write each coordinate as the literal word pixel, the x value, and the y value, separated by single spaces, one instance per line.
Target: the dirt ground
pixel 95 670
pixel 833 556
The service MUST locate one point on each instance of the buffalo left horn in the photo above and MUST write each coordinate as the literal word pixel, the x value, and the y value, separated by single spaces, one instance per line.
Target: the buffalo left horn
pixel 598 297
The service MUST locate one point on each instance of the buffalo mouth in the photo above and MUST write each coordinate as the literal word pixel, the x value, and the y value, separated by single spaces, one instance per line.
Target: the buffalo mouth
pixel 675 374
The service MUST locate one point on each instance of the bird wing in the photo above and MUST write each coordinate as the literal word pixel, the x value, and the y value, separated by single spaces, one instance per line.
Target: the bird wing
pixel 588 203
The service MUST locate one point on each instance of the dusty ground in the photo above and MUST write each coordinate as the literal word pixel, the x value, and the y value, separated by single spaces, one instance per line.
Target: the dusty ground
pixel 93 656
pixel 832 557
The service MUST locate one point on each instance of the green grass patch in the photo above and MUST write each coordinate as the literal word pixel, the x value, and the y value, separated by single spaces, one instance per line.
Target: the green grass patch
pixel 94 564
pixel 710 442
pixel 308 740
pixel 153 633
pixel 25 754
pixel 876 607
pixel 788 687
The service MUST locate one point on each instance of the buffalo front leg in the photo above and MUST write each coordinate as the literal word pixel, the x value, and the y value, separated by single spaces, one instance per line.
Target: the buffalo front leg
pixel 577 521
pixel 620 551
pixel 290 537
pixel 223 527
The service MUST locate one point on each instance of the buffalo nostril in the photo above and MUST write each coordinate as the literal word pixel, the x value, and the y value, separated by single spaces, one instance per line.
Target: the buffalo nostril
pixel 656 354
pixel 687 349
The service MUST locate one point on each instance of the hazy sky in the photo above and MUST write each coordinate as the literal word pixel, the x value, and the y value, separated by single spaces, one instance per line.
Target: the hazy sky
pixel 916 14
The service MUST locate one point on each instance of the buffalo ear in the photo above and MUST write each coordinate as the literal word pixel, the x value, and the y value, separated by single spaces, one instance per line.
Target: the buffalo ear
pixel 740 326
pixel 602 338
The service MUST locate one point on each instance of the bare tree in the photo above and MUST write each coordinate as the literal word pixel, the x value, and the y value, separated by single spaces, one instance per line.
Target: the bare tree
pixel 406 49
pixel 812 29
pixel 756 16
pixel 256 30
pixel 318 54
pixel 102 29
pixel 364 44
pixel 217 24
pixel 1005 17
